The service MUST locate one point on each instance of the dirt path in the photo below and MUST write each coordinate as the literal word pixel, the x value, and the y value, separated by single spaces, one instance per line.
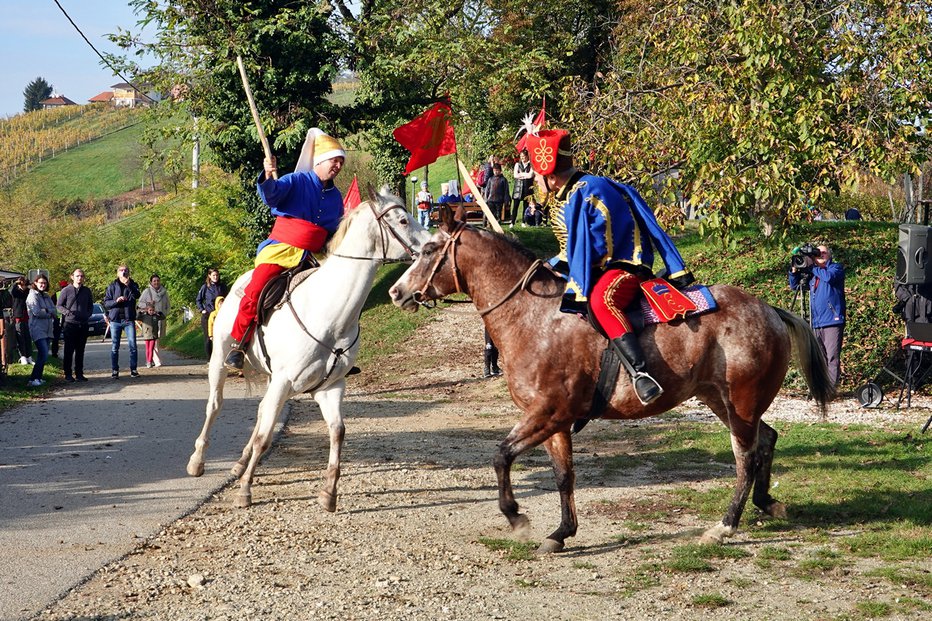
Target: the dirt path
pixel 417 496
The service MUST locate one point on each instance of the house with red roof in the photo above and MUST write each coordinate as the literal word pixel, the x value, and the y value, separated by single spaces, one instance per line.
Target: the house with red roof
pixel 56 101
pixel 128 96
pixel 105 97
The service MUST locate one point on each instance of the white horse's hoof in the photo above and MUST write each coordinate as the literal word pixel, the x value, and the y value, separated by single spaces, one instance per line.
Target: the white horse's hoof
pixel 717 534
pixel 549 546
pixel 237 470
pixel 327 500
pixel 195 467
pixel 242 501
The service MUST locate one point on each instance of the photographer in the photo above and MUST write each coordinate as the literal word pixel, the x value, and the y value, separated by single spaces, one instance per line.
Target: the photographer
pixel 826 281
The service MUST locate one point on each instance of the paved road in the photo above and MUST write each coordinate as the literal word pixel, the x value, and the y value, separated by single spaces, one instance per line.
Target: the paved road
pixel 90 472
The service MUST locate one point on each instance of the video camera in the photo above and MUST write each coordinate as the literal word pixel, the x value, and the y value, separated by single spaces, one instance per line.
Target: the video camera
pixel 803 256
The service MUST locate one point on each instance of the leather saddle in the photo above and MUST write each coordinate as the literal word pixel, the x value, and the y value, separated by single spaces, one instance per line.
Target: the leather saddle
pixel 276 292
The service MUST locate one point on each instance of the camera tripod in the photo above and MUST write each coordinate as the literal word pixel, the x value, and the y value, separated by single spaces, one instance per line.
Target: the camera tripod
pixel 800 303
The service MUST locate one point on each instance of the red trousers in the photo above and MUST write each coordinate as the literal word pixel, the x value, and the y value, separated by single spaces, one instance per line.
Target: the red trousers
pixel 249 305
pixel 614 291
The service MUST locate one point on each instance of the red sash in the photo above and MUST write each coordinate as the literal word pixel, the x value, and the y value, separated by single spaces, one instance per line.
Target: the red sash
pixel 299 233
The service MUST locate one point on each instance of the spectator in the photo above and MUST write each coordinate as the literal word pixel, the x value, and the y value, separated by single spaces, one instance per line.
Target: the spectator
pixel 496 193
pixel 308 208
pixel 533 216
pixel 524 184
pixel 205 300
pixel 213 316
pixel 490 358
pixel 120 302
pixel 20 291
pixel 424 205
pixel 41 325
pixel 76 306
pixel 154 307
pixel 826 282
pixel 56 337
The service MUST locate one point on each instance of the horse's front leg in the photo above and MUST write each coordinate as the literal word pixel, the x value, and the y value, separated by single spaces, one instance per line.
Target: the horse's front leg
pixel 279 390
pixel 216 378
pixel 330 401
pixel 533 429
pixel 560 448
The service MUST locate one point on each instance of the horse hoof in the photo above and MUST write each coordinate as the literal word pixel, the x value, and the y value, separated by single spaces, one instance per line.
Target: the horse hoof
pixel 777 510
pixel 521 527
pixel 242 501
pixel 717 534
pixel 195 467
pixel 328 501
pixel 237 470
pixel 549 546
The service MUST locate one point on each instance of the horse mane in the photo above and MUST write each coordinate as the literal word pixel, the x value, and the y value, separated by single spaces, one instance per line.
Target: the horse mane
pixel 512 241
pixel 383 197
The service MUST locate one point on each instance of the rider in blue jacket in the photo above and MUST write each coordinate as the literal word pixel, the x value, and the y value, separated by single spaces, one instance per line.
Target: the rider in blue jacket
pixel 827 304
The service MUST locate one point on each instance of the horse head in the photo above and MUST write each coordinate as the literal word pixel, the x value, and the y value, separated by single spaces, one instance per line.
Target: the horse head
pixel 433 274
pixel 392 233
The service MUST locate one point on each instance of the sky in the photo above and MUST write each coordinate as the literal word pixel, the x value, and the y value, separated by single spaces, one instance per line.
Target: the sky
pixel 36 40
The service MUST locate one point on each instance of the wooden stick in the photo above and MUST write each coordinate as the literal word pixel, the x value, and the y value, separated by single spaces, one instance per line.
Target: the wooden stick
pixel 477 196
pixel 255 111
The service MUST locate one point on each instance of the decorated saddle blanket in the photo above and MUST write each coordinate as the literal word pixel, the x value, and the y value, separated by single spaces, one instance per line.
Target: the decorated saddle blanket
pixel 662 302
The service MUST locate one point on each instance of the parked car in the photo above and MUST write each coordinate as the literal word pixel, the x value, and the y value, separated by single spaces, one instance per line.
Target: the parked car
pixel 97 324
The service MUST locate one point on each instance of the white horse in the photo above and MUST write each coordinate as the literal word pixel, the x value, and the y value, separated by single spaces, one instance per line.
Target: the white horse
pixel 312 345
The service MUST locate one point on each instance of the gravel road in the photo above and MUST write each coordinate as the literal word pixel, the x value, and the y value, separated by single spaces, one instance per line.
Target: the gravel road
pixel 417 513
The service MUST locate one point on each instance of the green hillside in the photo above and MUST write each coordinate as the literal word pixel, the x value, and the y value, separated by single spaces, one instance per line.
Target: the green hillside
pixel 104 168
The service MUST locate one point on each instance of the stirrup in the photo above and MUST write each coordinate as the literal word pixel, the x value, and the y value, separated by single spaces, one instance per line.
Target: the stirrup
pixel 235 359
pixel 646 387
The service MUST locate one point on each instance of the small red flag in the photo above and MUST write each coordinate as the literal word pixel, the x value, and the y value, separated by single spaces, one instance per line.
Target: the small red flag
pixel 538 125
pixel 352 198
pixel 427 137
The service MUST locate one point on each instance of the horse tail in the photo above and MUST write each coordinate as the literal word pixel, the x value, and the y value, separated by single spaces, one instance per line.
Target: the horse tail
pixel 811 359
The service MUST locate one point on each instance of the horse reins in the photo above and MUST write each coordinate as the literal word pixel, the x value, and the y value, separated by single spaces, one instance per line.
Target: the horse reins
pixel 449 248
pixel 383 238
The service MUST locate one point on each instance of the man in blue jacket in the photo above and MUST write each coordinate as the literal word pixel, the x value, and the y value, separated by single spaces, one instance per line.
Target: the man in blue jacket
pixel 826 302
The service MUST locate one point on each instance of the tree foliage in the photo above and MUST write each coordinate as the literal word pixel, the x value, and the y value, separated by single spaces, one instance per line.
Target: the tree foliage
pixel 36 91
pixel 762 108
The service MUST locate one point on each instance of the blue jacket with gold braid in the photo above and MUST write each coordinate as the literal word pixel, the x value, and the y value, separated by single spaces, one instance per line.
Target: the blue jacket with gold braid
pixel 600 222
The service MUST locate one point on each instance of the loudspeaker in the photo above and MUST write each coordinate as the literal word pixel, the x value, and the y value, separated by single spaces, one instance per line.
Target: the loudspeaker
pixel 914 254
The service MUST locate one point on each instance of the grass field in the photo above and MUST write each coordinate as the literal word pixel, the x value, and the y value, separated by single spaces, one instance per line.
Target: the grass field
pixel 101 169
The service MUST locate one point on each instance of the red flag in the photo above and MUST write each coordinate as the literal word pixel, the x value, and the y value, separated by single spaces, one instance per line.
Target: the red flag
pixel 427 137
pixel 538 125
pixel 352 198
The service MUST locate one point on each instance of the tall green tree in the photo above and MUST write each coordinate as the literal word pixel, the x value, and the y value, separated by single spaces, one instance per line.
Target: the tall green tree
pixel 761 108
pixel 36 91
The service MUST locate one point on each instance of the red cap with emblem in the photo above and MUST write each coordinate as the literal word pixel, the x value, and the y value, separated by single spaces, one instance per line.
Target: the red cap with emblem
pixel 545 149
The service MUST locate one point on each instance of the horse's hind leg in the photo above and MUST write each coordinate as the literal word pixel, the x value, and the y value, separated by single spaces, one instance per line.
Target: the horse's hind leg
pixel 216 376
pixel 331 407
pixel 560 448
pixel 269 409
pixel 744 447
pixel 766 441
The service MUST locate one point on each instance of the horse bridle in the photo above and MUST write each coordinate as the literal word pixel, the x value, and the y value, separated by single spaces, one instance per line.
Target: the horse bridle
pixel 449 248
pixel 385 230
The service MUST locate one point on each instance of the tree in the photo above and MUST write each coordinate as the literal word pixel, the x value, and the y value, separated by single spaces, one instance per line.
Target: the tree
pixel 761 108
pixel 36 91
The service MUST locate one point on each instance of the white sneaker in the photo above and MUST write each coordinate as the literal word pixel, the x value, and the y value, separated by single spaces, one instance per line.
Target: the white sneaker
pixel 34 383
pixel 148 365
pixel 23 360
pixel 158 364
pixel 29 360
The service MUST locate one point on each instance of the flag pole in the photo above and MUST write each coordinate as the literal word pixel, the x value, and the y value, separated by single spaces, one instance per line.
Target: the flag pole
pixel 478 197
pixel 255 112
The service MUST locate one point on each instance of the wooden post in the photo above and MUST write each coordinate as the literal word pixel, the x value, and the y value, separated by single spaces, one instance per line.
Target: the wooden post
pixel 254 110
pixel 477 196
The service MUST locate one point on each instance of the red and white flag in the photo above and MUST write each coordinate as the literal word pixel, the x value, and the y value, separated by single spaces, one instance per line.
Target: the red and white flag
pixel 427 137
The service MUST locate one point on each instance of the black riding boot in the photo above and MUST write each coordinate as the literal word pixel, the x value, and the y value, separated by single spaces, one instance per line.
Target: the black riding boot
pixel 236 357
pixel 645 386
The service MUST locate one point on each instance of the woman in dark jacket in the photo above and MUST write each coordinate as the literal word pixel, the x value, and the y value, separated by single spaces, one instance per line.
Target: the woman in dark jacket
pixel 20 291
pixel 206 298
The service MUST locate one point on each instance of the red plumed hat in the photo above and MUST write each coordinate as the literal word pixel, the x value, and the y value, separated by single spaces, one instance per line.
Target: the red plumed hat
pixel 545 148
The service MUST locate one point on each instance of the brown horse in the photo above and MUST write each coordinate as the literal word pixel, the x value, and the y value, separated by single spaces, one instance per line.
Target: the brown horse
pixel 733 360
